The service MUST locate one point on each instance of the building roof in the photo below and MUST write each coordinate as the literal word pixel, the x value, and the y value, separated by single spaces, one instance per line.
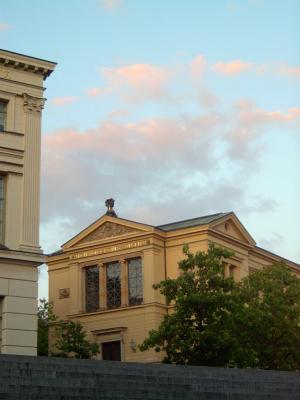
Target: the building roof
pixel 172 226
pixel 188 223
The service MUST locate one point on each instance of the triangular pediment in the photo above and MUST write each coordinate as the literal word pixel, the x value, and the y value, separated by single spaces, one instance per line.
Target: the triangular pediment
pixel 107 230
pixel 232 227
pixel 104 229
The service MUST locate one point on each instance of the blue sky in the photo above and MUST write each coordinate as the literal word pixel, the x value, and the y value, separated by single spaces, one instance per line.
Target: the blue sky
pixel 175 108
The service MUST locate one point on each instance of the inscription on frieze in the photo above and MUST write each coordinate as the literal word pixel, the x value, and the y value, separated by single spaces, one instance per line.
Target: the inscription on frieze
pixel 110 249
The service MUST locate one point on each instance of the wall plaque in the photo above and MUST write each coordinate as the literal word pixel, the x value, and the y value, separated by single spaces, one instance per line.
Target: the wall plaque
pixel 64 293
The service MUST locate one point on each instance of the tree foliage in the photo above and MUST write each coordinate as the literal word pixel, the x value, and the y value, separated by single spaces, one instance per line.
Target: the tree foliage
pixel 196 331
pixel 72 341
pixel 267 324
pixel 69 339
pixel 216 321
pixel 45 318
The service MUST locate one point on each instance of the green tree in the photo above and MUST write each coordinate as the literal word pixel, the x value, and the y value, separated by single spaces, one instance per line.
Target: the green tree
pixel 267 324
pixel 71 341
pixel 216 321
pixel 197 331
pixel 45 318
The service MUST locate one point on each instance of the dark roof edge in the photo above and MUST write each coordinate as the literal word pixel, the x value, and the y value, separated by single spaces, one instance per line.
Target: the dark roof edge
pixel 25 55
pixel 280 258
pixel 221 214
pixel 55 253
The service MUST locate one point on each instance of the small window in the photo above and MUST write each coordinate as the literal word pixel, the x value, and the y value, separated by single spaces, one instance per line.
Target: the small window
pixel 231 271
pixel 2 209
pixel 111 351
pixel 92 289
pixel 135 281
pixel 3 107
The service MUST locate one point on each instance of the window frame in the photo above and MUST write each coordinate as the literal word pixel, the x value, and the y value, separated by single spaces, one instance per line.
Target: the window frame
pixel 130 304
pixel 3 208
pixel 86 268
pixel 108 306
pixel 5 104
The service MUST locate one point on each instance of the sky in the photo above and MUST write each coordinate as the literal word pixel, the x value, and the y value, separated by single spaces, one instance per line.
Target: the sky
pixel 176 109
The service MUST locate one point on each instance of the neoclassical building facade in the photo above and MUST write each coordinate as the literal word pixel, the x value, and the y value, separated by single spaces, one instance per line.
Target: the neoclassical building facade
pixel 104 276
pixel 21 104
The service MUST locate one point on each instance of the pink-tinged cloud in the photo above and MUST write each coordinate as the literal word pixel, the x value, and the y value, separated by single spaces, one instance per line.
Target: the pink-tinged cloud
pixel 250 124
pixel 118 114
pixel 289 71
pixel 158 169
pixel 4 26
pixel 198 66
pixel 231 68
pixel 207 99
pixel 64 101
pixel 98 91
pixel 249 116
pixel 124 158
pixel 141 81
pixel 111 5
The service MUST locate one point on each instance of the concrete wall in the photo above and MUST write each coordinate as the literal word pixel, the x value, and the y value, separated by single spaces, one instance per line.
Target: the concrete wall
pixel 24 378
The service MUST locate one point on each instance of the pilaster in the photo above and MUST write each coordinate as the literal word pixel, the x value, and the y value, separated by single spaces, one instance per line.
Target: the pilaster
pixel 102 287
pixel 124 283
pixel 75 276
pixel 32 107
pixel 153 272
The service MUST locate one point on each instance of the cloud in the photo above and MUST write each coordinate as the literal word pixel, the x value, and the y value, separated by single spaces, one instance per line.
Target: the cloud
pixel 98 91
pixel 198 66
pixel 273 243
pixel 288 71
pixel 231 68
pixel 249 124
pixel 139 81
pixel 134 161
pixel 158 169
pixel 118 114
pixel 63 101
pixel 111 5
pixel 207 99
pixel 4 26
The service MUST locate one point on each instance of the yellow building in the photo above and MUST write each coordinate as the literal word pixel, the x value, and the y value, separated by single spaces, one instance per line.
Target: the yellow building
pixel 103 276
pixel 21 104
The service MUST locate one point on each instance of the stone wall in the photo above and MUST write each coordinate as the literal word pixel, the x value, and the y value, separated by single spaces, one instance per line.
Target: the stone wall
pixel 42 378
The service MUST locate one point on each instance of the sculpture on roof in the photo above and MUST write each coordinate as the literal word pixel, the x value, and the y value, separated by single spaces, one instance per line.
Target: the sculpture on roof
pixel 109 203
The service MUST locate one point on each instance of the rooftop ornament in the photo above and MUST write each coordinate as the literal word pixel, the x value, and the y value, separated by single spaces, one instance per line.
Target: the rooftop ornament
pixel 109 203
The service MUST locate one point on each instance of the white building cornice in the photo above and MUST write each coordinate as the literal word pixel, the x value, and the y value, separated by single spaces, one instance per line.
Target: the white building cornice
pixel 26 63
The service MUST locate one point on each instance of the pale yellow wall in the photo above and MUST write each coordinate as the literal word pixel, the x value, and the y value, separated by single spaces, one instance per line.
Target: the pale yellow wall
pixel 22 89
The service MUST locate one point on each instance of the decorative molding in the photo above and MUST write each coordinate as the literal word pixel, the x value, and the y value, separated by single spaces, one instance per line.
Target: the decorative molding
pixel 107 230
pixel 26 63
pixel 4 73
pixel 32 104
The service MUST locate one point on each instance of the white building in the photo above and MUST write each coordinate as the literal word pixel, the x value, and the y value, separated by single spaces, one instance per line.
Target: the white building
pixel 21 104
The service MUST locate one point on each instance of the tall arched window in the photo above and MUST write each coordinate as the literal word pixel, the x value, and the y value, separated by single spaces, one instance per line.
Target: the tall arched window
pixel 113 285
pixel 135 281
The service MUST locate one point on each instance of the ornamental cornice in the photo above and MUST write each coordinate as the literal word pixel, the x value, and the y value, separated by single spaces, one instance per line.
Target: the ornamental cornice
pixel 26 63
pixel 32 104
